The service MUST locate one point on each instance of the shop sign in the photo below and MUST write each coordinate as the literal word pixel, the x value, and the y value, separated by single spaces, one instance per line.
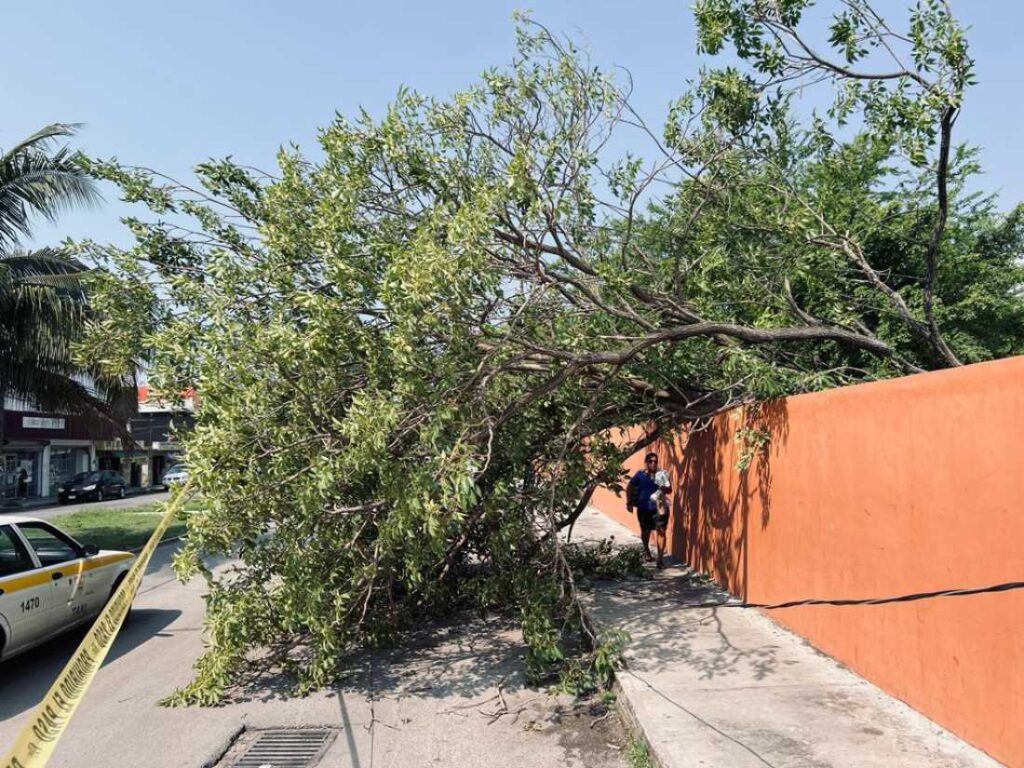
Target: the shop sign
pixel 41 422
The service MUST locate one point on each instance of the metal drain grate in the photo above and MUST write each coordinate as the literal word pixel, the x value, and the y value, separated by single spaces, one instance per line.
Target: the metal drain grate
pixel 285 748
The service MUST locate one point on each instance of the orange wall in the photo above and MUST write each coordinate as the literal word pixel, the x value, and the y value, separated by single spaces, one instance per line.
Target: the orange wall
pixel 908 485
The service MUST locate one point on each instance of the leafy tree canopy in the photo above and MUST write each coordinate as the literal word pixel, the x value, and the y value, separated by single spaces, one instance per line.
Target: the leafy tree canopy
pixel 415 351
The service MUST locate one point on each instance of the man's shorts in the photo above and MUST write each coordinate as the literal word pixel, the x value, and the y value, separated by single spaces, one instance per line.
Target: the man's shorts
pixel 651 520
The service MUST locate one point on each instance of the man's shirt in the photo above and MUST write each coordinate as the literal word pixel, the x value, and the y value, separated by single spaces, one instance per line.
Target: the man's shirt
pixel 640 488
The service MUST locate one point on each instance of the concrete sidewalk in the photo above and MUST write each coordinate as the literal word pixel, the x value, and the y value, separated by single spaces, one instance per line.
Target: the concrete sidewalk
pixel 455 696
pixel 728 687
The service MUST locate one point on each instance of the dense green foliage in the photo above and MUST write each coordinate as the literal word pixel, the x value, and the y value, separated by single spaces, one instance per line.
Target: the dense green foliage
pixel 43 293
pixel 415 350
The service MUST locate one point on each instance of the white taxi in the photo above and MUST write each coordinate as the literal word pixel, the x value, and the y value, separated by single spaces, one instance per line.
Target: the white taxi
pixel 49 583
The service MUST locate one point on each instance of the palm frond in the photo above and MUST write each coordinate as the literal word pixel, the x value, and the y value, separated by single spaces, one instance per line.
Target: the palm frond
pixel 36 179
pixel 51 386
pixel 42 295
pixel 43 261
pixel 44 303
pixel 42 139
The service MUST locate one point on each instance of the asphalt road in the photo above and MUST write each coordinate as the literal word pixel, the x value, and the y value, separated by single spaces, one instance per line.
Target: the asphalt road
pixel 135 500
pixel 437 705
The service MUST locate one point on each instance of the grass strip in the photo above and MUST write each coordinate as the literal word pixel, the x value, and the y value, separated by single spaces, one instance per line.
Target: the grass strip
pixel 116 527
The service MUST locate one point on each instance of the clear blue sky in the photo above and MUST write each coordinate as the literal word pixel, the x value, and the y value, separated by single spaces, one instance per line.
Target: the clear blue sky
pixel 169 84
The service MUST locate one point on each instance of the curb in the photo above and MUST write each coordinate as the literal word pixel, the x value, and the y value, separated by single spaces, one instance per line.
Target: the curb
pixel 625 707
pixel 50 502
pixel 636 729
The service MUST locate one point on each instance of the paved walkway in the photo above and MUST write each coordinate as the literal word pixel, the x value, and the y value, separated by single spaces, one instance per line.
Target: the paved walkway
pixel 728 687
pixel 455 698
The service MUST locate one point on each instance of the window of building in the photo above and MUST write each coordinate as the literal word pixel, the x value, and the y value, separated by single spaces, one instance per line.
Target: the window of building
pixel 20 476
pixel 65 463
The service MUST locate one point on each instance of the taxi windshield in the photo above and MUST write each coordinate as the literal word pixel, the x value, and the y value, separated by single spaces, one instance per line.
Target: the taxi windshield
pixel 86 477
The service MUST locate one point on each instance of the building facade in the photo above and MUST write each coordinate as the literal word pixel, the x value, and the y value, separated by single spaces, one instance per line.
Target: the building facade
pixel 39 451
pixel 156 430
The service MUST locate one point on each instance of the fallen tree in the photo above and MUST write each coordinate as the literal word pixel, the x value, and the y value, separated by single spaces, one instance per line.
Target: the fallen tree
pixel 415 351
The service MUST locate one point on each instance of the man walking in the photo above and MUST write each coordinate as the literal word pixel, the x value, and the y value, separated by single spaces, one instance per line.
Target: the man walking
pixel 646 492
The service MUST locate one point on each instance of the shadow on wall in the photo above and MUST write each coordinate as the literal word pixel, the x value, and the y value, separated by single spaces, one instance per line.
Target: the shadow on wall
pixel 714 500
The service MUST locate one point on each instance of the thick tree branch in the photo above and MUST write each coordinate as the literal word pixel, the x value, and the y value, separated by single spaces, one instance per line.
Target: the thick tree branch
pixel 935 243
pixel 709 329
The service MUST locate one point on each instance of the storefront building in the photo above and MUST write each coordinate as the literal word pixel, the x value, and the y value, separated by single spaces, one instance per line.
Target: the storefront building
pixel 156 430
pixel 38 451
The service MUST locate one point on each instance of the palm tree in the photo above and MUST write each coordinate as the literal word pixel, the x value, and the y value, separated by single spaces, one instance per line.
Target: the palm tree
pixel 43 301
pixel 36 179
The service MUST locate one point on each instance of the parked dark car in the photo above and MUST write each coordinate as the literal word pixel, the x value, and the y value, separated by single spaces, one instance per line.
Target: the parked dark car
pixel 96 486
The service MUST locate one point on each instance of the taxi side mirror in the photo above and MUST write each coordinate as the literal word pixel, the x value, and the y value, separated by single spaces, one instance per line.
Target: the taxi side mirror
pixel 90 550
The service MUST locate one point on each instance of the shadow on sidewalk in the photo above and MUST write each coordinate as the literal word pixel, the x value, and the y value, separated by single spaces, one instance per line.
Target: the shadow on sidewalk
pixel 463 660
pixel 25 679
pixel 663 618
pixel 453 689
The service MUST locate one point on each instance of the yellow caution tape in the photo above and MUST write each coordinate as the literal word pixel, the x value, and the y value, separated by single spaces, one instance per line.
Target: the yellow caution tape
pixel 37 740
